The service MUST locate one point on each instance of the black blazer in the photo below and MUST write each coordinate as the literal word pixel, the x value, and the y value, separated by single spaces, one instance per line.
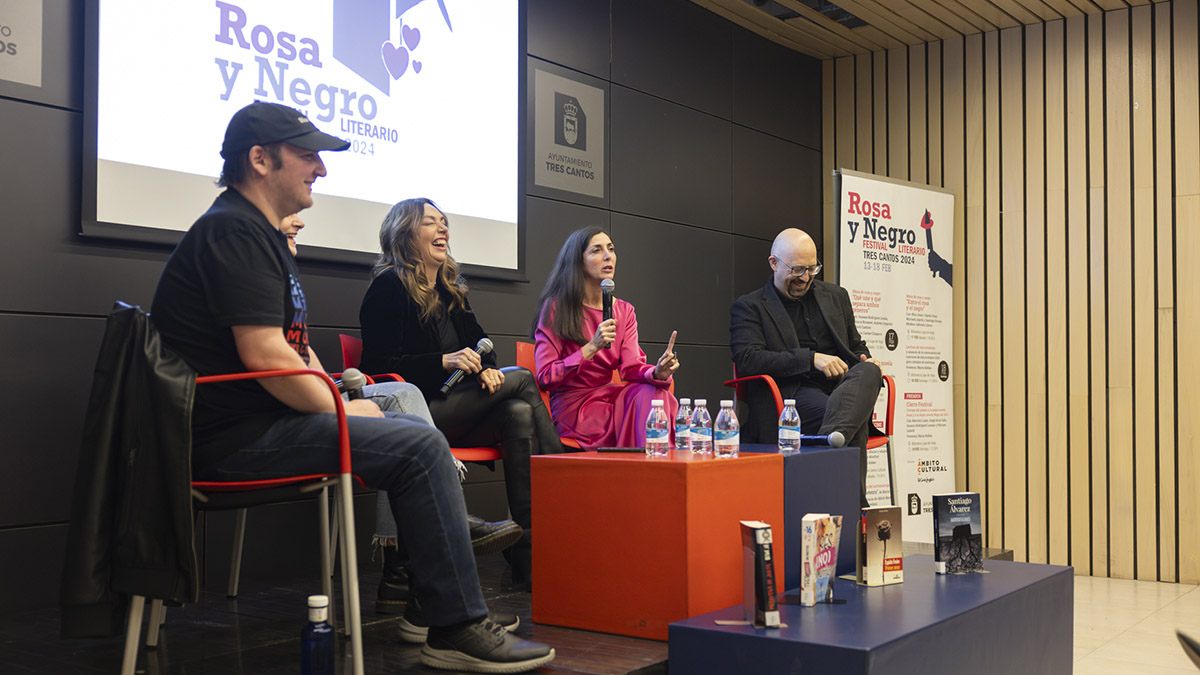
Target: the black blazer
pixel 131 512
pixel 396 341
pixel 763 340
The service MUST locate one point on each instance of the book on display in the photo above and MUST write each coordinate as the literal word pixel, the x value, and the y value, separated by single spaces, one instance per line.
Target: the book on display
pixel 818 556
pixel 758 575
pixel 880 555
pixel 957 533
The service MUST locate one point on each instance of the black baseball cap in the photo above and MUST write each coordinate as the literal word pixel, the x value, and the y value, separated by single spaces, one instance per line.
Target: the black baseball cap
pixel 262 123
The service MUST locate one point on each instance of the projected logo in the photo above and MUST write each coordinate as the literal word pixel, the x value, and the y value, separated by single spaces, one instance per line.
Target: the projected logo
pixel 570 123
pixel 362 39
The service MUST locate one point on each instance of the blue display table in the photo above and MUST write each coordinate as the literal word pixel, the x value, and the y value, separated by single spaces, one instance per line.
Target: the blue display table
pixel 1016 618
pixel 817 480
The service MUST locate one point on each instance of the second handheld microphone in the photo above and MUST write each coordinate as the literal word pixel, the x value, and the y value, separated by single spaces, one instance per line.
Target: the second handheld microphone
pixel 482 347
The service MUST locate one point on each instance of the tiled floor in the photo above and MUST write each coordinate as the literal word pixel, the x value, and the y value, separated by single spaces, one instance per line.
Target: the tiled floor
pixel 1120 627
pixel 1129 626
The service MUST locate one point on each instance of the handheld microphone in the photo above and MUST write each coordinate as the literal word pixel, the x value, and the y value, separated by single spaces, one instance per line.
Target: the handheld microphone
pixel 353 380
pixel 482 347
pixel 607 286
pixel 836 440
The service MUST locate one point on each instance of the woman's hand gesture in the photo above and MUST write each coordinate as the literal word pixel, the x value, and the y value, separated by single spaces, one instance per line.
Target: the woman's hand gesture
pixel 668 363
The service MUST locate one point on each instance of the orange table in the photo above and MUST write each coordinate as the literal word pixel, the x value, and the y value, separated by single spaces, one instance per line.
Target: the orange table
pixel 627 544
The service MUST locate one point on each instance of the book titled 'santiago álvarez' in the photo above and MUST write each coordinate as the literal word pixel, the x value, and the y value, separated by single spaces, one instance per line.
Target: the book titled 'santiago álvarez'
pixel 758 569
pixel 957 532
pixel 818 556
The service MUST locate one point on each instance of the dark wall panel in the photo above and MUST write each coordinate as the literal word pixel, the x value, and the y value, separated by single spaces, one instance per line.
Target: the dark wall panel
pixel 573 34
pixel 46 366
pixel 750 267
pixel 673 49
pixel 31 563
pixel 670 162
pixel 776 184
pixel 45 266
pixel 776 90
pixel 674 287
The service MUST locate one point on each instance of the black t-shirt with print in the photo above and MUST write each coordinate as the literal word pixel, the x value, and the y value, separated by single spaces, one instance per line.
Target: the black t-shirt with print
pixel 232 268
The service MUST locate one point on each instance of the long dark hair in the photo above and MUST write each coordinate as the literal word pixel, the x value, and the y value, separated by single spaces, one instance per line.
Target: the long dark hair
pixel 563 293
pixel 398 241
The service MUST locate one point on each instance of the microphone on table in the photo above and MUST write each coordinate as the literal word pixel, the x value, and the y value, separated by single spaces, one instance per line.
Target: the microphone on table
pixel 482 347
pixel 353 381
pixel 835 439
pixel 607 286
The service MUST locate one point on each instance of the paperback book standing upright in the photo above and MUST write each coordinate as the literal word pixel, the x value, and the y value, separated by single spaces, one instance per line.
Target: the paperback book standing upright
pixel 880 549
pixel 958 533
pixel 758 575
pixel 818 556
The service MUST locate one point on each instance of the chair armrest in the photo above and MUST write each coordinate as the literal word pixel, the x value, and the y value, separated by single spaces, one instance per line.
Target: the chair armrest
pixel 388 377
pixel 339 409
pixel 889 420
pixel 770 382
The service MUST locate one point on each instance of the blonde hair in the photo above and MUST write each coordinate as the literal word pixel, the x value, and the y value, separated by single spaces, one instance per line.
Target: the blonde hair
pixel 401 255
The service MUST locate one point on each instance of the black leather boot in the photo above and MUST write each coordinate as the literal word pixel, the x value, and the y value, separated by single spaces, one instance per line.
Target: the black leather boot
pixel 393 587
pixel 517 489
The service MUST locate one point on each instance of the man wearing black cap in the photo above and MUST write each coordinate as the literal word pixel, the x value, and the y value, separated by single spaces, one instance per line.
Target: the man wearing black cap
pixel 230 300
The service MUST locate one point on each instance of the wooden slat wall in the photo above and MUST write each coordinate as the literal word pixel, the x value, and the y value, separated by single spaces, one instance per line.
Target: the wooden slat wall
pixel 1073 148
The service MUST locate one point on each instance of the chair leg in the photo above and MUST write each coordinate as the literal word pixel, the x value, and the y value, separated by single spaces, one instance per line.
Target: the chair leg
pixel 158 614
pixel 345 495
pixel 133 634
pixel 326 560
pixel 235 560
pixel 340 508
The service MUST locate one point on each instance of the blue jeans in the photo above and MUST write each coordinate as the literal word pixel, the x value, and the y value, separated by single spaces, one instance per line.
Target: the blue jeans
pixel 408 459
pixel 400 397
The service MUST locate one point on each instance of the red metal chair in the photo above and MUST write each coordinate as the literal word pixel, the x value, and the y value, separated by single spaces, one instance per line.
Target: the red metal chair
pixel 215 495
pixel 352 356
pixel 739 384
pixel 527 359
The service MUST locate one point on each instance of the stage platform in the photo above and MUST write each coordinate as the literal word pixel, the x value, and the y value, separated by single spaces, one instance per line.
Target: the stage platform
pixel 1014 618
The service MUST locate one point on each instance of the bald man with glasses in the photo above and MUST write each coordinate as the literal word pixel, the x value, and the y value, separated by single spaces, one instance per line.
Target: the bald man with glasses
pixel 801 332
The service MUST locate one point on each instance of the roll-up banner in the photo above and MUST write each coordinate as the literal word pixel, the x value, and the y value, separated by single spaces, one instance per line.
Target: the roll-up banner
pixel 895 245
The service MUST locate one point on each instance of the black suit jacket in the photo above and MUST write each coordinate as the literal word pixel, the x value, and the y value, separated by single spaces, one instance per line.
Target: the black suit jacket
pixel 395 340
pixel 763 340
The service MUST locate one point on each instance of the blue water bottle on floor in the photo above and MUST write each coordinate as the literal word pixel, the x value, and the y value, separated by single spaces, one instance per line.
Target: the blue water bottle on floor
pixel 316 640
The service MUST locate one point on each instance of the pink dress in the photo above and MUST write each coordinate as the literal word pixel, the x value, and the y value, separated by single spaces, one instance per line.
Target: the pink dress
pixel 585 403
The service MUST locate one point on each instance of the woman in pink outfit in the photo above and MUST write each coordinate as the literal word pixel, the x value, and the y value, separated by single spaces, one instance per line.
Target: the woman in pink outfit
pixel 577 351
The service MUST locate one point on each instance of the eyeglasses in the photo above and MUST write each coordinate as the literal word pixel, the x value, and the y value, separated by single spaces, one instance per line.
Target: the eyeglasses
pixel 799 270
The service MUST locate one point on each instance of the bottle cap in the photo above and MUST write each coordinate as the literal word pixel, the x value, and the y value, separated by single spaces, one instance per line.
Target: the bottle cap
pixel 789 401
pixel 685 401
pixel 656 403
pixel 701 402
pixel 318 601
pixel 726 404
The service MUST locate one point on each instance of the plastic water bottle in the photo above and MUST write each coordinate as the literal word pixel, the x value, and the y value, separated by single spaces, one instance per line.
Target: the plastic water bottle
pixel 726 432
pixel 701 433
pixel 789 426
pixel 683 425
pixel 657 430
pixel 316 640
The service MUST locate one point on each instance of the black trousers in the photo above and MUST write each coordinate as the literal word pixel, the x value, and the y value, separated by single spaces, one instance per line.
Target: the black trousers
pixel 844 405
pixel 513 417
